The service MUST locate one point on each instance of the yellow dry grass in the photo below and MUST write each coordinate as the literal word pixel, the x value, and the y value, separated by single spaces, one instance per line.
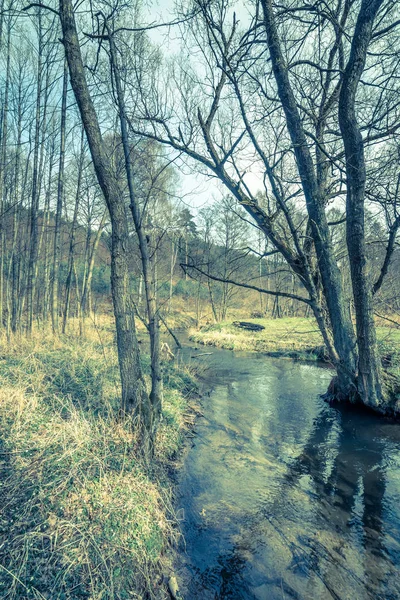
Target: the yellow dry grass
pixel 81 516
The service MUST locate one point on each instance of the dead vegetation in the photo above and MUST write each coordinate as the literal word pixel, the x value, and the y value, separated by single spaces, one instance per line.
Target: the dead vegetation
pixel 81 516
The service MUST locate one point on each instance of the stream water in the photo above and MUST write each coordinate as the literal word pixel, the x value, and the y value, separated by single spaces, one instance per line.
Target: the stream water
pixel 282 496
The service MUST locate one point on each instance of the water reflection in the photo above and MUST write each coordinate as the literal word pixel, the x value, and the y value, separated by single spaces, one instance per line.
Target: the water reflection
pixel 286 497
pixel 349 480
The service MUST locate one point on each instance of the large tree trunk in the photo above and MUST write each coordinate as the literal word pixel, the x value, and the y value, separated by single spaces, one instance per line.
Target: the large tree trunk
pixel 369 377
pixel 342 328
pixel 134 397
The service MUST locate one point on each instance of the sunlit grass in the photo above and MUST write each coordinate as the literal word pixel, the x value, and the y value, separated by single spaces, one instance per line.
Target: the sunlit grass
pixel 291 336
pixel 281 336
pixel 80 517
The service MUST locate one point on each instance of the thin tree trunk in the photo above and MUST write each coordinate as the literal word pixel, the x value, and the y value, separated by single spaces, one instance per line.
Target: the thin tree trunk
pixel 68 283
pixel 46 237
pixel 60 194
pixel 174 256
pixel 12 270
pixel 33 250
pixel 86 260
pixel 140 290
pixel 19 271
pixel 198 310
pixel 3 161
pixel 15 258
pixel 148 265
pixel 186 255
pixel 213 308
pixel 86 302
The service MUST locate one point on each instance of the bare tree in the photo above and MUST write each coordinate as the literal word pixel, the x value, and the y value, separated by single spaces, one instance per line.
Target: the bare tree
pixel 60 198
pixel 147 258
pixel 134 397
pixel 369 379
pixel 269 102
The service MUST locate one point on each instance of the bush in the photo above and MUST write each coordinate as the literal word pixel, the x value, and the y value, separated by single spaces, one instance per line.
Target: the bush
pixel 257 314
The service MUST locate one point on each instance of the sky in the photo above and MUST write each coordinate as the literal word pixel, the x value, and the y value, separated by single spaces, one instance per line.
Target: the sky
pixel 197 190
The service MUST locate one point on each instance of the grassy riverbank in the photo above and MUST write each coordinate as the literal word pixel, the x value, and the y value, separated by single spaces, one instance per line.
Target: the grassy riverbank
pixel 80 516
pixel 292 337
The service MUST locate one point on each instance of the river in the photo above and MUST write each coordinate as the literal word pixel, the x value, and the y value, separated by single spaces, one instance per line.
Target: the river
pixel 282 496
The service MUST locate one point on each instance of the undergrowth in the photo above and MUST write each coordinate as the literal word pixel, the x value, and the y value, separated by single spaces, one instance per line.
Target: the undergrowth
pixel 80 516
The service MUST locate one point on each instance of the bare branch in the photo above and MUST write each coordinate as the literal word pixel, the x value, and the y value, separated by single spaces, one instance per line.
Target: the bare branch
pixel 246 285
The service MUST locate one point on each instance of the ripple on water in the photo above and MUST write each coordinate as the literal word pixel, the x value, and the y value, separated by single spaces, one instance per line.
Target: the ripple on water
pixel 284 496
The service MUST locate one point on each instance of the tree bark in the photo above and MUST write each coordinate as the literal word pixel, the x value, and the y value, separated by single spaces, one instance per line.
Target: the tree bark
pixel 46 237
pixel 86 300
pixel 33 249
pixel 60 197
pixel 342 328
pixel 369 372
pixel 148 263
pixel 71 253
pixel 3 167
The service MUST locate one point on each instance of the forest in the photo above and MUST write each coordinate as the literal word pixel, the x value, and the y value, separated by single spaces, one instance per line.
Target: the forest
pixel 181 181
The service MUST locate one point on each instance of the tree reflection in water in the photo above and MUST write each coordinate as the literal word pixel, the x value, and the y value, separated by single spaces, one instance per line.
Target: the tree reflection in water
pixel 349 486
pixel 287 497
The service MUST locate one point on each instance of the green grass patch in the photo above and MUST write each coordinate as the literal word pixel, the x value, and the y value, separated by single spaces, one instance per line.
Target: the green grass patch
pixel 292 336
pixel 286 337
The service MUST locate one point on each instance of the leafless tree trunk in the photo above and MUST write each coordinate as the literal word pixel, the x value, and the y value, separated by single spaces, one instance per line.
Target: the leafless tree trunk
pixel 174 256
pixel 33 251
pixel 342 327
pixel 60 197
pixel 369 372
pixel 3 166
pixel 86 300
pixel 71 253
pixel 148 265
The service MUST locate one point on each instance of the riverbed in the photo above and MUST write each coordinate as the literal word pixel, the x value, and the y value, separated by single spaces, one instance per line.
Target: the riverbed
pixel 282 496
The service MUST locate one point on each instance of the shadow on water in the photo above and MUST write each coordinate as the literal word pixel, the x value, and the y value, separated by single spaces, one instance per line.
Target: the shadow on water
pixel 284 496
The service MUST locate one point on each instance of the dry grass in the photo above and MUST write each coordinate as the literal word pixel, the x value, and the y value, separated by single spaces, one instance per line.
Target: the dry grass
pixel 80 516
